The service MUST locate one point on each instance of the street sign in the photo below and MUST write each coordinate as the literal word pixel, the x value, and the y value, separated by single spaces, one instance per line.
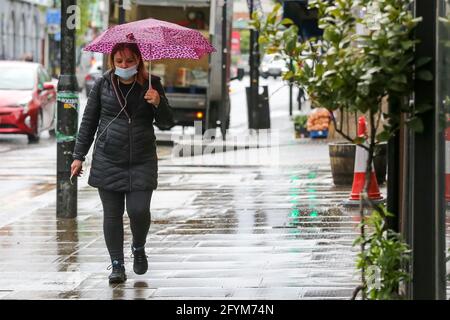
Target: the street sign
pixel 53 20
pixel 53 16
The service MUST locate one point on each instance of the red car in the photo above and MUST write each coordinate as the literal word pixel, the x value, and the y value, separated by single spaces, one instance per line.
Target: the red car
pixel 27 99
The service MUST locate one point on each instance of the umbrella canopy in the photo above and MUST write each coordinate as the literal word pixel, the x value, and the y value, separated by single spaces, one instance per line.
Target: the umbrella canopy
pixel 156 40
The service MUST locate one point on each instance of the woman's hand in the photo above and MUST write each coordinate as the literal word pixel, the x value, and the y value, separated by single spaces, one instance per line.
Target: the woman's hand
pixel 152 97
pixel 76 168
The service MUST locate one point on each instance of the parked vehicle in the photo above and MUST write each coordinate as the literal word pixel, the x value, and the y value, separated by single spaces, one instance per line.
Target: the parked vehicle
pixel 272 66
pixel 85 61
pixel 95 72
pixel 198 90
pixel 243 63
pixel 27 99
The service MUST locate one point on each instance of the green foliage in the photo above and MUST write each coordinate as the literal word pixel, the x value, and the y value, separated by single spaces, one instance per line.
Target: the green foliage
pixel 352 71
pixel 360 61
pixel 276 35
pixel 385 261
pixel 301 120
pixel 84 19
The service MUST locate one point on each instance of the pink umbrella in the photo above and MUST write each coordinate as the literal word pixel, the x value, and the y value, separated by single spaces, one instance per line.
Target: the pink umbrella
pixel 156 40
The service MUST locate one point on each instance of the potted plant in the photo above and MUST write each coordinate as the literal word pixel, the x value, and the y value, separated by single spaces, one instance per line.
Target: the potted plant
pixel 354 72
pixel 342 160
pixel 300 126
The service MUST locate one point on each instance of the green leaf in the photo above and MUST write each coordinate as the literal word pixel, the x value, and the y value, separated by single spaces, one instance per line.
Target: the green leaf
pixel 319 69
pixel 401 78
pixel 374 69
pixel 272 50
pixel 290 45
pixel 388 54
pixel 423 107
pixel 263 40
pixel 286 21
pixel 424 75
pixel 395 86
pixel 359 140
pixel 331 35
pixel 276 7
pixel 407 44
pixel 423 61
pixel 288 75
pixel 329 73
pixel 416 124
pixel 383 136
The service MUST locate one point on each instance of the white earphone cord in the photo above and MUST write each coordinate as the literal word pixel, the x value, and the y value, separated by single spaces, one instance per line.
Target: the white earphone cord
pixel 123 108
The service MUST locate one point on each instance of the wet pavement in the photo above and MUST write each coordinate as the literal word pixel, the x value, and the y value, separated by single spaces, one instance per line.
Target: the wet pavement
pixel 228 226
pixel 28 174
pixel 218 232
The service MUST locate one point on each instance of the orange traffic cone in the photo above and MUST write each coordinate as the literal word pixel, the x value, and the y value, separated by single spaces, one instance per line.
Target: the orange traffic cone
pixel 447 165
pixel 359 176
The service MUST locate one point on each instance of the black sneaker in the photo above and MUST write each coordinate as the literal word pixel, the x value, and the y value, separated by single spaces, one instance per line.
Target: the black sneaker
pixel 118 272
pixel 140 264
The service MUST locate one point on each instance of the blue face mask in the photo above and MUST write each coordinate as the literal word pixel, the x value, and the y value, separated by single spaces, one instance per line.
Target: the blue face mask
pixel 126 73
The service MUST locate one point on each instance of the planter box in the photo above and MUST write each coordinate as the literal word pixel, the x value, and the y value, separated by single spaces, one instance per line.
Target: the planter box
pixel 342 159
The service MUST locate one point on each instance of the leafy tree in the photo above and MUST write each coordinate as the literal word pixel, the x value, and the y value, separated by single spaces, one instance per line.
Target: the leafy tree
pixel 85 16
pixel 361 60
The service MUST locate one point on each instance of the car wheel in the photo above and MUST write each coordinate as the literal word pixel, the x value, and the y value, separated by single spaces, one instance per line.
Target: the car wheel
pixel 265 76
pixel 34 137
pixel 52 132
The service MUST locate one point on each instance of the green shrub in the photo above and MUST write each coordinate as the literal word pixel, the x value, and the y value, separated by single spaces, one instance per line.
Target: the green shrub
pixel 301 120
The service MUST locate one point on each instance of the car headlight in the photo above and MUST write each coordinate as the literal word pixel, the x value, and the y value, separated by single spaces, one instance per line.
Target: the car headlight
pixel 27 121
pixel 24 104
pixel 264 68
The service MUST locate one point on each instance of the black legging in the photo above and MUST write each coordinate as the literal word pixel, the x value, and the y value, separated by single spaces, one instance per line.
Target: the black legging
pixel 138 209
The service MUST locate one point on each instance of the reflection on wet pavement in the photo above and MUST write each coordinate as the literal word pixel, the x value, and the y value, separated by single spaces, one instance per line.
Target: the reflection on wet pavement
pixel 234 233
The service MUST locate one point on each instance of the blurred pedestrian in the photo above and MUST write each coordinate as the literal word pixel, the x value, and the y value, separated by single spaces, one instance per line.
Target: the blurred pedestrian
pixel 121 109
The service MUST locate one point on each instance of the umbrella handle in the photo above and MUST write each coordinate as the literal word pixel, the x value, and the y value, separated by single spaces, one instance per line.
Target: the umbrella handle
pixel 150 74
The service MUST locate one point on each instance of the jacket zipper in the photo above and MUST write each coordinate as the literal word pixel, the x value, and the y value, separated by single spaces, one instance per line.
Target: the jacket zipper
pixel 131 143
pixel 129 128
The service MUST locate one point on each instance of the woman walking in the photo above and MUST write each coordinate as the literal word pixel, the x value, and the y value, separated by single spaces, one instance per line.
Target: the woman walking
pixel 121 109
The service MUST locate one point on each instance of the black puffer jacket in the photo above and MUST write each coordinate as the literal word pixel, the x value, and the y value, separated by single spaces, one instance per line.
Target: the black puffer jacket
pixel 124 157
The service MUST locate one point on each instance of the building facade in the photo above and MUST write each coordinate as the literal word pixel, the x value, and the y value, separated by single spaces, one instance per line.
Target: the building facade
pixel 22 29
